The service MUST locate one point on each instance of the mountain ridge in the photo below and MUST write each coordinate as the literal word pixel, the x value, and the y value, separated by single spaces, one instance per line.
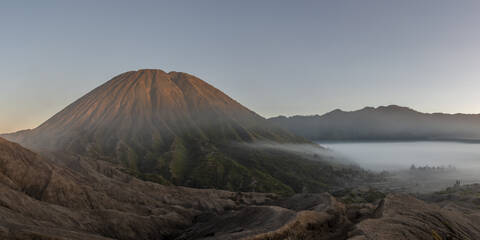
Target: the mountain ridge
pixel 391 122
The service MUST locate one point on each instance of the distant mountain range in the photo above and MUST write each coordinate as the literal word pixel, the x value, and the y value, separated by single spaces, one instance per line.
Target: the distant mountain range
pixel 174 128
pixel 383 123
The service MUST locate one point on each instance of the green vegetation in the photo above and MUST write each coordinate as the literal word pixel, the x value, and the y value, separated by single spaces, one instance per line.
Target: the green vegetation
pixel 179 161
pixel 195 161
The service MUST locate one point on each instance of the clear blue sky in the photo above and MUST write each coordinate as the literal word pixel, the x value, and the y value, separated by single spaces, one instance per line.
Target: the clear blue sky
pixel 275 57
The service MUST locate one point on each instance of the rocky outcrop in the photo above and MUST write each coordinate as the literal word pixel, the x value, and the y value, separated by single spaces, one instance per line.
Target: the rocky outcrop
pixel 302 216
pixel 322 216
pixel 405 217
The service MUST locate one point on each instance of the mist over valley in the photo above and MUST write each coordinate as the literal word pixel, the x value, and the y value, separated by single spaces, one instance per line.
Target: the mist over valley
pixel 415 166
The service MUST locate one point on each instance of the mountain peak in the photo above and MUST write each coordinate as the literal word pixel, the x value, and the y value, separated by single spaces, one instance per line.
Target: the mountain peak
pixel 337 110
pixel 393 107
pixel 172 125
pixel 146 101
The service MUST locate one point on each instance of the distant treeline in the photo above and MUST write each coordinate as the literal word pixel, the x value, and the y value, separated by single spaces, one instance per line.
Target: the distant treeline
pixel 427 168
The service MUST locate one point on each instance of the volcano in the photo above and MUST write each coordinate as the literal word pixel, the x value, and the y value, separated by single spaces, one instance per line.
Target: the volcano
pixel 174 128
pixel 143 107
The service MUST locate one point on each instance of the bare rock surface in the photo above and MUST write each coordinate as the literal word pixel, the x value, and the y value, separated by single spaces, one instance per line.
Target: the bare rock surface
pixel 302 216
pixel 402 216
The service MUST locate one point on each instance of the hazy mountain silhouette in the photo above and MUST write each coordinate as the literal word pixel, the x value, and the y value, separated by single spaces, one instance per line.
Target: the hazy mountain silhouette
pixel 383 123
pixel 175 128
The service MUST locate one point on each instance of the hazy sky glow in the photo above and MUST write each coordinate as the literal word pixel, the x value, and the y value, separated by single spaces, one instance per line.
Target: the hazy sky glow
pixel 275 57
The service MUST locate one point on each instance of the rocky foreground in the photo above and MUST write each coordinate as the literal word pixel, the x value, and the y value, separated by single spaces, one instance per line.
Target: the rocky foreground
pixel 59 196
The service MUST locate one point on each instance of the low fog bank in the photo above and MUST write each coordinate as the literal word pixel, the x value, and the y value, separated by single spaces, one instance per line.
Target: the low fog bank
pixel 311 151
pixel 393 156
pixel 416 166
